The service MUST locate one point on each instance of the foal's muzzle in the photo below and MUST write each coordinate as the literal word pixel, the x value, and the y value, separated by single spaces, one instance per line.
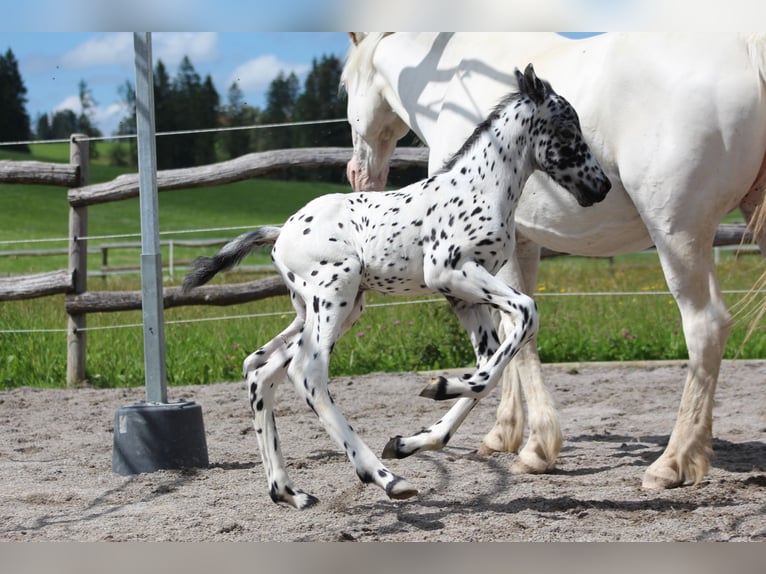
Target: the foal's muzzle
pixel 589 194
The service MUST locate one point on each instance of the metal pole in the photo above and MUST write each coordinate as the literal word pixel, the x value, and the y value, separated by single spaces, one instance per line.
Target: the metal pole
pixel 151 257
pixel 154 435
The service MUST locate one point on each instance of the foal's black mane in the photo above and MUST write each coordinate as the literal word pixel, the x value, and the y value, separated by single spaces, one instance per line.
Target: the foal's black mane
pixel 480 129
pixel 529 85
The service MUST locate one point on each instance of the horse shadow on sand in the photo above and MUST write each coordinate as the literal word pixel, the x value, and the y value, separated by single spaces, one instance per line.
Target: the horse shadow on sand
pixel 435 506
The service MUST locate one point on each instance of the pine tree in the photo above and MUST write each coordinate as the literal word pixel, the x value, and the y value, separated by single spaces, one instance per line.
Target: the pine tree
pixel 322 100
pixel 85 119
pixel 193 104
pixel 14 120
pixel 43 130
pixel 237 113
pixel 280 108
pixel 206 103
pixel 125 152
pixel 63 124
pixel 165 119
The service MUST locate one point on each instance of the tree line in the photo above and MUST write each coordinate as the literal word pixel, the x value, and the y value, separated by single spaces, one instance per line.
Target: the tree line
pixel 188 101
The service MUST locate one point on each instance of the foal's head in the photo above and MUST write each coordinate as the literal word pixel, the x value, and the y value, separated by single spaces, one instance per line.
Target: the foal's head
pixel 559 147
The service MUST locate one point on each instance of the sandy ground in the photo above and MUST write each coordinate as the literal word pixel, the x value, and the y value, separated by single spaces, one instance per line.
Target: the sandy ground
pixel 57 481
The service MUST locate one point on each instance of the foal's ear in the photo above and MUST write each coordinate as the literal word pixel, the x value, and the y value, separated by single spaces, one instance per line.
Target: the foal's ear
pixel 531 85
pixel 356 37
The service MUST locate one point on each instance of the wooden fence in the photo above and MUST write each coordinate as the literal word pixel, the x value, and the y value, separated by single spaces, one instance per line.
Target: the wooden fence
pixel 79 301
pixel 72 282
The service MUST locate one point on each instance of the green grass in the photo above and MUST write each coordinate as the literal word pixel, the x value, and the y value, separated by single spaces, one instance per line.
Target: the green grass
pixel 40 212
pixel 389 338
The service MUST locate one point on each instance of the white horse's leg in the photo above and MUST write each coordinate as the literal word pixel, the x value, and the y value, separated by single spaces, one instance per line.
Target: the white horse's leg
pixel 325 321
pixel 687 262
pixel 525 371
pixel 477 322
pixel 263 371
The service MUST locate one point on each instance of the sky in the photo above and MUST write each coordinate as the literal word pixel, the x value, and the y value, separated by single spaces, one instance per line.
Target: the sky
pixel 57 42
pixel 52 64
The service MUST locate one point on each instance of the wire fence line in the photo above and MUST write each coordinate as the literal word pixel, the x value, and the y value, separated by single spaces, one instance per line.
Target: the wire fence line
pixel 180 132
pixel 370 306
pixel 128 235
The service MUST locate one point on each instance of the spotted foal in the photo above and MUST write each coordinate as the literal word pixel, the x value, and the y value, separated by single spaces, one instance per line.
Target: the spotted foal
pixel 448 234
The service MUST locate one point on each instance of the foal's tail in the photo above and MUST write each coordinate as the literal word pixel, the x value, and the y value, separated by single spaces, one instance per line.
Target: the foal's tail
pixel 205 268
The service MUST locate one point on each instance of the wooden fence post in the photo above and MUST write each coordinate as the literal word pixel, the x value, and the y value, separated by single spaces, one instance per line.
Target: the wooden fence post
pixel 78 266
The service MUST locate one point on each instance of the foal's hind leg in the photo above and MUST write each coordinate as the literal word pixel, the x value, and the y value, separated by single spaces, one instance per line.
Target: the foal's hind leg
pixel 325 321
pixel 477 322
pixel 263 371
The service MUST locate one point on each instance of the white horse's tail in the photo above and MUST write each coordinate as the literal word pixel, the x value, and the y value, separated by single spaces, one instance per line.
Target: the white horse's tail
pixel 753 204
pixel 205 268
pixel 753 207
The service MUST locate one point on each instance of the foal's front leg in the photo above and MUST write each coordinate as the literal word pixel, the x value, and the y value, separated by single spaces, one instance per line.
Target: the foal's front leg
pixel 474 284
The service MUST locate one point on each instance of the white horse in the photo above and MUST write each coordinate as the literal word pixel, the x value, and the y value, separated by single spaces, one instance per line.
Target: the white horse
pixel 677 121
pixel 448 234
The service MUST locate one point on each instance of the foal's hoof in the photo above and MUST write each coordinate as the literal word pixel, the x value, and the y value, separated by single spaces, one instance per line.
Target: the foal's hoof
pixel 399 489
pixel 294 497
pixel 306 501
pixel 436 389
pixel 393 448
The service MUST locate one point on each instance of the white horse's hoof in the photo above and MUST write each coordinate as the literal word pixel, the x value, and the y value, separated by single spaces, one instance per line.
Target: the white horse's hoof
pixel 485 451
pixel 535 466
pixel 661 478
pixel 498 441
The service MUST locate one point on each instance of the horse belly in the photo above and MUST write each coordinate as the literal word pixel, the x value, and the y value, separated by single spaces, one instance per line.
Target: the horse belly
pixel 550 217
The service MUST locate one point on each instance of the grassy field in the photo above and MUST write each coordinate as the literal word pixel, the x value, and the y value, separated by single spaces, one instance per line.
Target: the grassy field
pixel 394 334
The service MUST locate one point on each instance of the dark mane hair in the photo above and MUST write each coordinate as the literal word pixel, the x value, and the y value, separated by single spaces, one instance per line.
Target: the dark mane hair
pixel 480 129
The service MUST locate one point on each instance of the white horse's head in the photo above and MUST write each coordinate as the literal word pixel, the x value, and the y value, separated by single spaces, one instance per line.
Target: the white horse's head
pixel 375 128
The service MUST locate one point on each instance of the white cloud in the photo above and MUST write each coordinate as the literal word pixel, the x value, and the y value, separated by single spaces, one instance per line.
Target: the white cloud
pixel 103 50
pixel 117 48
pixel 107 118
pixel 171 47
pixel 257 74
pixel 69 103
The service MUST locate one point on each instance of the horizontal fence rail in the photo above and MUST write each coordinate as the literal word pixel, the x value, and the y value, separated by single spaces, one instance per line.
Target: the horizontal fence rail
pixel 238 169
pixel 221 295
pixel 35 285
pixel 39 173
